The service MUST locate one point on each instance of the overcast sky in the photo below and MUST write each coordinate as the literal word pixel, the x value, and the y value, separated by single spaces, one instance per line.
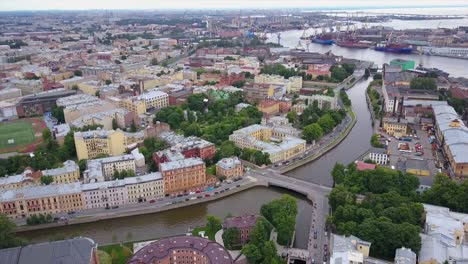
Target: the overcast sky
pixel 6 5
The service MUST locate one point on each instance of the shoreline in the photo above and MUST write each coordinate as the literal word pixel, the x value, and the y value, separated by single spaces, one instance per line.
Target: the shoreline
pixel 142 211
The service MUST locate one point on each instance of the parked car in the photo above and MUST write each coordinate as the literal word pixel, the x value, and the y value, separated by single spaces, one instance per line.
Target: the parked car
pixel 199 197
pixel 71 212
pixel 152 201
pixel 115 207
pixel 187 199
pixel 207 195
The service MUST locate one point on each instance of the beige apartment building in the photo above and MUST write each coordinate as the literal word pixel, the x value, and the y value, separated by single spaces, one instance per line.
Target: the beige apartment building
pixel 133 104
pixel 230 168
pixel 70 172
pixel 90 144
pixel 155 99
pixel 45 199
pixel 104 169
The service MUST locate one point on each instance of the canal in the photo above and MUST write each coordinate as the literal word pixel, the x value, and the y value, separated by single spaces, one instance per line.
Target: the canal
pixel 177 221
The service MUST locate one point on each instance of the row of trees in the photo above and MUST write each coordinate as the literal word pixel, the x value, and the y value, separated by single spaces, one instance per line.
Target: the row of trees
pixel 39 219
pixel 281 213
pixel 316 122
pixel 448 193
pixel 375 99
pixel 339 73
pixel 389 215
pixel 279 69
pixel 344 98
pixel 151 145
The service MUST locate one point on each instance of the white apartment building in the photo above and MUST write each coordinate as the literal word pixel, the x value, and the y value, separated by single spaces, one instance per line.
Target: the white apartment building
pixel 99 170
pixel 378 155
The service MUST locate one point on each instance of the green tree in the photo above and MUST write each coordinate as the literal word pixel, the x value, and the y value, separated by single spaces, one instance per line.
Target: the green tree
pixel 57 112
pixel 7 233
pixel 133 127
pixel 312 132
pixel 292 117
pixel 423 83
pixel 78 73
pixel 338 173
pixel 327 123
pixel 213 224
pixel 378 76
pixel 252 253
pixel 47 179
pixel 270 254
pixel 114 124
pixel 154 61
pixel 196 102
pixel 108 82
pixel 231 238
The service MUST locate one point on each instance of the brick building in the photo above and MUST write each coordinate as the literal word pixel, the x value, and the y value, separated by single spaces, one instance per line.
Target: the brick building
pixel 183 175
pixel 245 224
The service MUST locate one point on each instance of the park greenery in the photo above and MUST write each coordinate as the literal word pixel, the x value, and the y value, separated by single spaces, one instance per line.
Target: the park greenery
pixel 281 213
pixel 57 112
pixel 447 193
pixel 37 219
pixel 260 249
pixel 47 155
pixel 380 206
pixel 339 73
pixel 279 69
pixel 316 122
pixel 375 99
pixel 423 83
pixel 375 142
pixel 213 225
pixel 119 253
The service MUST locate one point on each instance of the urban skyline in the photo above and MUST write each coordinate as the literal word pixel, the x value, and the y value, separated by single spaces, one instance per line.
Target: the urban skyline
pixel 211 4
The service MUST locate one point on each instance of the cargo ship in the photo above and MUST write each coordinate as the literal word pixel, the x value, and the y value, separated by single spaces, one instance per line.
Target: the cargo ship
pixel 394 48
pixel 354 43
pixel 324 39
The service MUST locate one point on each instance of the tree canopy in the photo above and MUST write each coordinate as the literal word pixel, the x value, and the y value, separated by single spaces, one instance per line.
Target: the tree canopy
pixel 423 83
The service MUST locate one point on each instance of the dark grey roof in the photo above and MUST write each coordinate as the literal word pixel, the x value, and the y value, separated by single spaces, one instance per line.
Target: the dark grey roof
pixel 72 251
pixel 10 255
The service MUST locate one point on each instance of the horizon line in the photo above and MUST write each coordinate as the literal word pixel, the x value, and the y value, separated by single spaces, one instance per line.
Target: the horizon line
pixel 243 8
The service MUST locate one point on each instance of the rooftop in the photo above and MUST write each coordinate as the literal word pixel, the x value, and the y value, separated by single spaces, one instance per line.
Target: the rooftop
pixel 184 163
pixel 77 250
pixel 245 221
pixel 229 163
pixel 32 192
pixel 163 248
pixel 69 166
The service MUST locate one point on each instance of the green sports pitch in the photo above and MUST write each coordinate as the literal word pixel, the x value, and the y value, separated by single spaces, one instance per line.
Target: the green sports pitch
pixel 19 133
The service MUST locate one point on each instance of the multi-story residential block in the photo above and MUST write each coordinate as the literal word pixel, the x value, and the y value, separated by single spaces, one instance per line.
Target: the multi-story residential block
pixel 259 91
pixel 73 112
pixel 452 134
pixel 395 127
pixel 78 250
pixel 133 104
pixel 70 172
pixel 183 175
pixel 155 99
pixel 229 168
pixel 90 144
pixel 405 256
pixel 260 138
pixel 245 224
pixel 99 170
pixel 182 249
pixel 378 155
pixel 189 147
pixel 53 199
pixel 123 118
pixel 119 192
pixel 323 101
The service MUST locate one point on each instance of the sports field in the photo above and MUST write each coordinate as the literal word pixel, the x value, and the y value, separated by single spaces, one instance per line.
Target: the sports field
pixel 21 132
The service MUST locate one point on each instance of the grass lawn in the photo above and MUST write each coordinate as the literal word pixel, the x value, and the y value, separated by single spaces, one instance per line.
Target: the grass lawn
pixel 211 236
pixel 21 131
pixel 119 254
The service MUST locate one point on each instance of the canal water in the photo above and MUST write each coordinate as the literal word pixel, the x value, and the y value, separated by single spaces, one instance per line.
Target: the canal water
pixel 178 221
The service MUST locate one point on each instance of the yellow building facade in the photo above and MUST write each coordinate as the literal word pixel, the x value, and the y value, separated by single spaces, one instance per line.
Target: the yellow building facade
pixel 90 144
pixel 395 129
